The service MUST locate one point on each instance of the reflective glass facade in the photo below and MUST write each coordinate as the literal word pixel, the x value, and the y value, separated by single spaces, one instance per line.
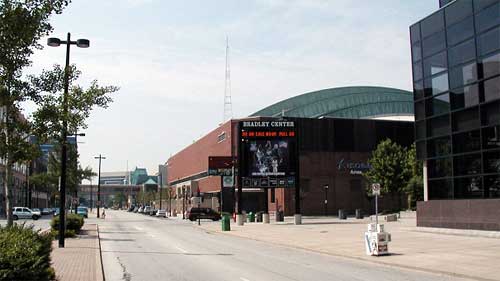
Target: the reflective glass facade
pixel 456 82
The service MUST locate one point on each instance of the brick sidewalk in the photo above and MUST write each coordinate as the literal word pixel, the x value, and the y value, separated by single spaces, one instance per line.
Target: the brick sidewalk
pixel 465 256
pixel 80 260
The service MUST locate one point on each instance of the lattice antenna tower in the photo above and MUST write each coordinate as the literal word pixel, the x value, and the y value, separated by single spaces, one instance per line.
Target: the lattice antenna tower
pixel 228 105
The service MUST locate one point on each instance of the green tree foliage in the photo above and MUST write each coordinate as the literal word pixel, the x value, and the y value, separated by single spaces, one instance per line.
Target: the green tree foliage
pixel 397 170
pixel 389 168
pixel 50 115
pixel 22 25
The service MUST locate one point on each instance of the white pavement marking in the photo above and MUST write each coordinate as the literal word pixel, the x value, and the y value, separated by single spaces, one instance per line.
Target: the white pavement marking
pixel 180 249
pixel 243 279
pixel 138 228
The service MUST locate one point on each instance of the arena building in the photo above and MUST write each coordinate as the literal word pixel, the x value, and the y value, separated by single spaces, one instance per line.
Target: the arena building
pixel 317 144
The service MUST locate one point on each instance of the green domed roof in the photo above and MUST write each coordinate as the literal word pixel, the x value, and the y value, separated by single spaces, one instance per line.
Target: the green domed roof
pixel 344 102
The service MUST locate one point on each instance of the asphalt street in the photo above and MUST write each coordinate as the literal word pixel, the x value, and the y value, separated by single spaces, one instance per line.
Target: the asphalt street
pixel 138 247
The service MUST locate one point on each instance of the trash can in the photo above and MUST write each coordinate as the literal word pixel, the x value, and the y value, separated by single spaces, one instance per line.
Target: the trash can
pixel 258 217
pixel 280 216
pixel 251 217
pixel 226 223
pixel 359 214
pixel 342 214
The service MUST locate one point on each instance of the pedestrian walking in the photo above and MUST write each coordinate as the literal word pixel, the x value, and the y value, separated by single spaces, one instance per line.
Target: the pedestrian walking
pixel 103 214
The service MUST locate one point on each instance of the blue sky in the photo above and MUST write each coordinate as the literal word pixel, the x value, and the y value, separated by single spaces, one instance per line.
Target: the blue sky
pixel 168 59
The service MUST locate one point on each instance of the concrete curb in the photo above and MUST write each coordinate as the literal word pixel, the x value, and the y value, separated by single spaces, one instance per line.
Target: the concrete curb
pixel 456 232
pixel 378 262
pixel 100 254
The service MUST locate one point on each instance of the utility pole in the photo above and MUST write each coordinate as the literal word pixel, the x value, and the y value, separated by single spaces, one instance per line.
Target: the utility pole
pixel 100 157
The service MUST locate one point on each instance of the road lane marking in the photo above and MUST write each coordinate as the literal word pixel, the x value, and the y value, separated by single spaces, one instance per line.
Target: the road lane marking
pixel 243 279
pixel 180 249
pixel 138 228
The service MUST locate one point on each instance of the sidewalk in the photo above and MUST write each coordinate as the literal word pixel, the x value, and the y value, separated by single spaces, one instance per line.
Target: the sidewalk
pixel 80 260
pixel 458 255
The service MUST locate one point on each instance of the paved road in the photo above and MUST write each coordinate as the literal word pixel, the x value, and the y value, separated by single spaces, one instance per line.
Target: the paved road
pixel 137 247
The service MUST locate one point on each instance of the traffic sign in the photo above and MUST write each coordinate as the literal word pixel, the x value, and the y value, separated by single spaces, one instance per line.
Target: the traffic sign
pixel 376 189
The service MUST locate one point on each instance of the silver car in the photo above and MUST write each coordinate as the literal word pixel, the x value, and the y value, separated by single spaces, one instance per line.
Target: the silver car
pixel 23 213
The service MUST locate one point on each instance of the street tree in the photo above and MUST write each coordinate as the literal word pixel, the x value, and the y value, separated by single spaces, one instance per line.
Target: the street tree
pixel 389 168
pixel 22 25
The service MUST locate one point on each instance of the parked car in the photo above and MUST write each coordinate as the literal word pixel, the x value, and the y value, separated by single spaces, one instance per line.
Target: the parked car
pixel 140 210
pixel 83 211
pixel 161 213
pixel 202 213
pixel 136 209
pixel 146 210
pixel 23 213
pixel 37 211
pixel 131 209
pixel 56 212
pixel 47 211
pixel 152 212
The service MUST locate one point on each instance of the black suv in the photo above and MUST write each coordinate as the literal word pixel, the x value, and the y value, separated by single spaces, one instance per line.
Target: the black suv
pixel 203 213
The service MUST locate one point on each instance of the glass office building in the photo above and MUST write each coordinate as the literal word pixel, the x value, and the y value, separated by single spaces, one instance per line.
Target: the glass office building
pixel 456 80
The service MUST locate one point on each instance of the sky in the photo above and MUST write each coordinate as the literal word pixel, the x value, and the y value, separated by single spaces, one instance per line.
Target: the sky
pixel 168 58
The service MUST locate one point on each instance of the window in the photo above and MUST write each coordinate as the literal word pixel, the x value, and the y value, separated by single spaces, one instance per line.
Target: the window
pixel 438 168
pixel 460 31
pixel 420 126
pixel 466 120
pixel 421 151
pixel 462 53
pixel 492 186
pixel 491 65
pixel 488 42
pixel 416 52
pixel 457 11
pixel 415 32
pixel 463 75
pixel 417 71
pixel 491 137
pixel 432 24
pixel 492 89
pixel 464 97
pixel 435 64
pixel 488 18
pixel 470 187
pixel 467 164
pixel 438 104
pixel 418 90
pixel 433 44
pixel 492 162
pixel 466 142
pixel 439 126
pixel 490 114
pixel 481 4
pixel 437 84
pixel 440 189
pixel 419 110
pixel 439 146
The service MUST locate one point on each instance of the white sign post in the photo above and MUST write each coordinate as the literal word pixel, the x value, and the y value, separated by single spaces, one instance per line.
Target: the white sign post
pixel 376 192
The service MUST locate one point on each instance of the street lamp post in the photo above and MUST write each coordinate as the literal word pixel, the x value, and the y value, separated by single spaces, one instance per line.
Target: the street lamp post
pixel 100 157
pixel 56 42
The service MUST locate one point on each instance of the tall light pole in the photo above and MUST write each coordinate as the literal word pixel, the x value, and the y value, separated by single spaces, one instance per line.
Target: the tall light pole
pixel 56 42
pixel 100 157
